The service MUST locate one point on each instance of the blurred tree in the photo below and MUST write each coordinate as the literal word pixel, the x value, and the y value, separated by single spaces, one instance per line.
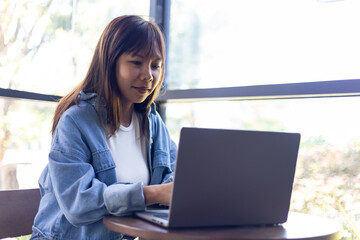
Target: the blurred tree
pixel 23 30
pixel 327 182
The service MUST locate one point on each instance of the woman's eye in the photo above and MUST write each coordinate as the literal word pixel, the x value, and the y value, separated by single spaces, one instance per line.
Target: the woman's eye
pixel 136 62
pixel 156 65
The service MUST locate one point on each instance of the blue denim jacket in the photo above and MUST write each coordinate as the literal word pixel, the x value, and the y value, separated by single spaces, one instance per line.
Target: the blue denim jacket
pixel 79 184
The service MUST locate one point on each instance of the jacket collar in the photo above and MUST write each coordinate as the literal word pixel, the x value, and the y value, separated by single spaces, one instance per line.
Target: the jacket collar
pixel 92 98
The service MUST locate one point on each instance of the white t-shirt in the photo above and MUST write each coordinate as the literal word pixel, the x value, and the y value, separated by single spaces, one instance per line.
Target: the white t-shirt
pixel 129 153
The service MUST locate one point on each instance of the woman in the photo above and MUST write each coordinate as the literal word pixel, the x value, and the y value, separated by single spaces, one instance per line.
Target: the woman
pixel 111 153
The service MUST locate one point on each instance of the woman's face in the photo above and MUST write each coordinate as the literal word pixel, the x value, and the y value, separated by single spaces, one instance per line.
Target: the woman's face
pixel 137 76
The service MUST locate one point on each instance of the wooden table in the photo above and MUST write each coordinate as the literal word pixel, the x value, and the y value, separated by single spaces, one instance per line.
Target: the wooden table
pixel 299 226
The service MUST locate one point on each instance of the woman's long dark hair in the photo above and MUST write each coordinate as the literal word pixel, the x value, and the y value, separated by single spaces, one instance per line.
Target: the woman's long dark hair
pixel 125 34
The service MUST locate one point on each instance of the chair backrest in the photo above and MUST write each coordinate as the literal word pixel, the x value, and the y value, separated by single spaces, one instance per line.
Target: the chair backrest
pixel 17 211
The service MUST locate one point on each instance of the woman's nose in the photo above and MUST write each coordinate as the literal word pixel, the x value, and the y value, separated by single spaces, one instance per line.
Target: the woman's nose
pixel 147 74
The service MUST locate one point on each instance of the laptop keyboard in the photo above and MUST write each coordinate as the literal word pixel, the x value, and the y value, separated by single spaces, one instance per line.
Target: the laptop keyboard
pixel 162 215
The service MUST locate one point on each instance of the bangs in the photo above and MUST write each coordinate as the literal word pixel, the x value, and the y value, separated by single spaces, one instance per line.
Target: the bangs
pixel 145 40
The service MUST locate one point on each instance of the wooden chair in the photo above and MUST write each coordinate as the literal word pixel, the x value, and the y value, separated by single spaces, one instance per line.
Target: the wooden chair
pixel 17 211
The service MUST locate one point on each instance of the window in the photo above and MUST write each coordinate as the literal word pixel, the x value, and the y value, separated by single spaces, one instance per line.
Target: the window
pixel 218 51
pixel 25 141
pixel 238 43
pixel 47 48
pixel 54 45
pixel 327 176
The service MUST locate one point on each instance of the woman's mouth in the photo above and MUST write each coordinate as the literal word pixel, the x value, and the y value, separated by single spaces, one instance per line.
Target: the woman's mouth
pixel 142 90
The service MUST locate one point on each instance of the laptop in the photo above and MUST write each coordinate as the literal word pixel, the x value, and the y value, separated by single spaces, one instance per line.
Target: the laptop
pixel 229 178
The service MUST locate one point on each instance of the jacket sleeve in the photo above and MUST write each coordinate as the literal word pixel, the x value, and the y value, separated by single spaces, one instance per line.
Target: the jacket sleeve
pixel 73 166
pixel 169 176
pixel 163 152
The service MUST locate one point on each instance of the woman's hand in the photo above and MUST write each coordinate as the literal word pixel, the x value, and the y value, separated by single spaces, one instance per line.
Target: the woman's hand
pixel 160 194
